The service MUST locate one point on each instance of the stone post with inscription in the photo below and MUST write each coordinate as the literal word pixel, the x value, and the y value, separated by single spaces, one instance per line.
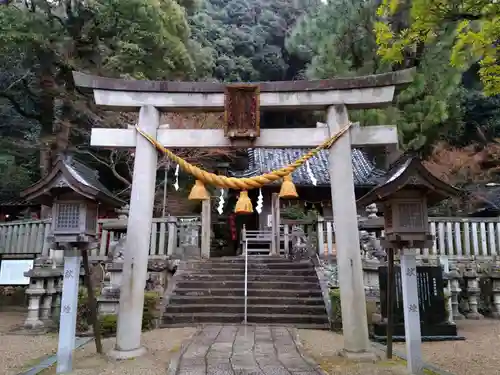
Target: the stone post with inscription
pixel 411 310
pixel 69 306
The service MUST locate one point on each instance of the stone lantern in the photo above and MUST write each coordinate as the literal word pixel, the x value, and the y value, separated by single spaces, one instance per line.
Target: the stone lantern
pixel 76 195
pixel 405 195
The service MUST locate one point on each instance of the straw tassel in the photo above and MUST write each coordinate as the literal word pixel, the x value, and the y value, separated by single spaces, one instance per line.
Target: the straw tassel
pixel 244 204
pixel 199 192
pixel 288 190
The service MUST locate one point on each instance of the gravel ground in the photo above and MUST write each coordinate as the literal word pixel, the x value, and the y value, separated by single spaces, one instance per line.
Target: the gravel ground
pixel 478 354
pixel 161 344
pixel 20 351
pixel 323 346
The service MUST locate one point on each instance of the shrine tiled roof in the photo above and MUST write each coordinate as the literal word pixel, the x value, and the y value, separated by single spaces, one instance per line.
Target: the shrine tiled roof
pixel 263 160
pixel 68 172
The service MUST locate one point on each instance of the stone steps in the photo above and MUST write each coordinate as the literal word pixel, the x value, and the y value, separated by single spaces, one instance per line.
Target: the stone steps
pixel 320 326
pixel 279 319
pixel 251 300
pixel 279 292
pixel 257 271
pixel 250 278
pixel 270 293
pixel 195 284
pixel 296 309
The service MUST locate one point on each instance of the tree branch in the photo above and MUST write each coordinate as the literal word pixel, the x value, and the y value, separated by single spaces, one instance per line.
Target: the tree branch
pixel 18 107
pixel 107 164
pixel 463 17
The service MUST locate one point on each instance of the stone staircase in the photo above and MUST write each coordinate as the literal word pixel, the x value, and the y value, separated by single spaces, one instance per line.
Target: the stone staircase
pixel 280 292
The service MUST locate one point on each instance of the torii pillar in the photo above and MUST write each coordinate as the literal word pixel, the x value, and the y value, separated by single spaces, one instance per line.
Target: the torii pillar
pixel 334 95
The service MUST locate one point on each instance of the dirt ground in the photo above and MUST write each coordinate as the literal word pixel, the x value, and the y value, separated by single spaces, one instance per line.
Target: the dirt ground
pixel 19 352
pixel 323 346
pixel 478 354
pixel 161 344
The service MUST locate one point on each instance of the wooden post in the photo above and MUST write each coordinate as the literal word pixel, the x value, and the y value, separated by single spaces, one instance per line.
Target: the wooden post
pixel 390 297
pixel 206 229
pixel 172 235
pixel 321 236
pixel 94 315
pixel 275 234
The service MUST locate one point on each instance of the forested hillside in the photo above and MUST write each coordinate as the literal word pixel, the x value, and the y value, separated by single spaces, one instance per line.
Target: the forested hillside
pixel 452 107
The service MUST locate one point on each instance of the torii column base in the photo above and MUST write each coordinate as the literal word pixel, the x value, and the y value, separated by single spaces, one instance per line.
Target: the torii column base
pixel 126 354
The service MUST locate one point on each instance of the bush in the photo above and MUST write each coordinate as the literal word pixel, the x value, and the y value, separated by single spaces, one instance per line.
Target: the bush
pixel 83 312
pixel 108 323
pixel 336 311
pixel 150 313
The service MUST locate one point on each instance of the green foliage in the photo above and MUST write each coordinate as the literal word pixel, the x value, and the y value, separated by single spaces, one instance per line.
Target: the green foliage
pixel 336 309
pixel 83 313
pixel 339 39
pixel 246 38
pixel 136 38
pixel 298 212
pixel 108 323
pixel 42 42
pixel 475 25
pixel 15 176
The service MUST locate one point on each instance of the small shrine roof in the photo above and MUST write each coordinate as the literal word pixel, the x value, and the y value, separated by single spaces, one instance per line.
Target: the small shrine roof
pixel 68 172
pixel 264 160
pixel 409 171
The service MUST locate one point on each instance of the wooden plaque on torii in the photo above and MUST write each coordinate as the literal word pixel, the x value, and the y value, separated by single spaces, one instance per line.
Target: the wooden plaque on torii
pixel 242 111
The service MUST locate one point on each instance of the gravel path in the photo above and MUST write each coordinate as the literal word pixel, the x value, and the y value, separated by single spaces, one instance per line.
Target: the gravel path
pixel 323 347
pixel 20 351
pixel 161 345
pixel 478 354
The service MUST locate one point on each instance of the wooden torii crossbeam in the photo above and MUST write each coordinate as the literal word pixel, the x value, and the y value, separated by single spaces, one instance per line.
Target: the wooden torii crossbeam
pixel 151 97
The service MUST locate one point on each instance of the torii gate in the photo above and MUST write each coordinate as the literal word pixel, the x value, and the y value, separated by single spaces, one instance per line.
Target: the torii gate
pixel 151 97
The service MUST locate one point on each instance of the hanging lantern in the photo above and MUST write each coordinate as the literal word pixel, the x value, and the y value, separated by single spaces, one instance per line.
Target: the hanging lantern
pixel 244 204
pixel 288 190
pixel 199 192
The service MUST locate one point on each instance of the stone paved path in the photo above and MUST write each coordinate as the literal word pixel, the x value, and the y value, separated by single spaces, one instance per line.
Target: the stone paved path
pixel 243 350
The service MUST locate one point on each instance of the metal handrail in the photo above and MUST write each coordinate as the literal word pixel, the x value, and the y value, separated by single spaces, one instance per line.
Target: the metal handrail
pixel 245 249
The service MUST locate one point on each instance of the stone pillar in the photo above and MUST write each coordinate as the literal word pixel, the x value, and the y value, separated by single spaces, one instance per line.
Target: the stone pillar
pixel 413 338
pixel 135 265
pixel 35 293
pixel 352 292
pixel 473 292
pixel 56 304
pixel 46 310
pixel 455 290
pixel 495 286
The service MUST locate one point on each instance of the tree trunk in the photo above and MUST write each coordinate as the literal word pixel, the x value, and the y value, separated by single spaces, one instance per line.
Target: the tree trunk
pixel 46 133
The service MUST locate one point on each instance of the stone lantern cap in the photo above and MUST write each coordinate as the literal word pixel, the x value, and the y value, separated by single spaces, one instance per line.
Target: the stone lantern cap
pixel 69 174
pixel 409 173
